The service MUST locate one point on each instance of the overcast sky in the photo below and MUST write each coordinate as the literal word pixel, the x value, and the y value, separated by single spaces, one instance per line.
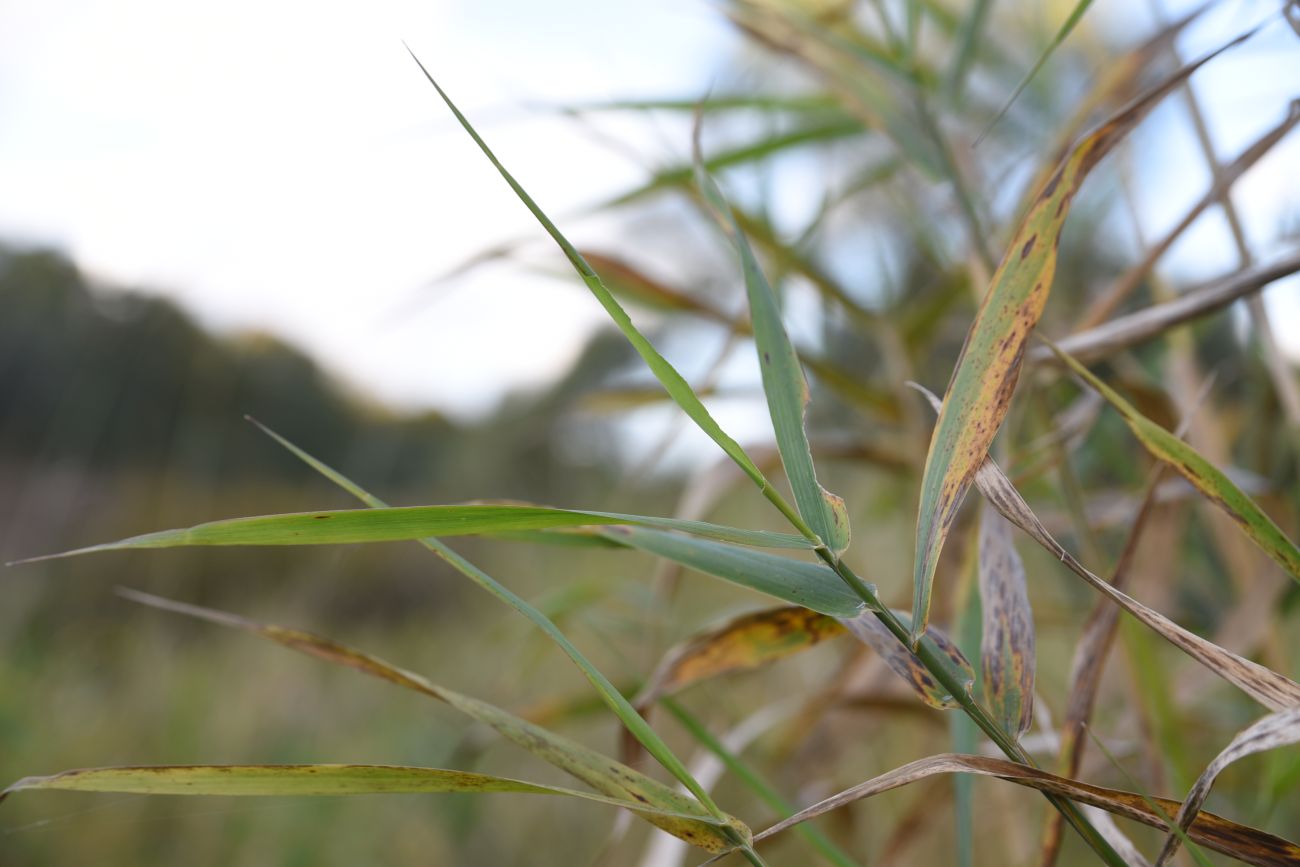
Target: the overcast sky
pixel 283 166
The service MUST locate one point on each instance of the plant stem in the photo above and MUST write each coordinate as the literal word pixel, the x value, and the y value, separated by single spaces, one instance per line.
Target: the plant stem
pixel 972 708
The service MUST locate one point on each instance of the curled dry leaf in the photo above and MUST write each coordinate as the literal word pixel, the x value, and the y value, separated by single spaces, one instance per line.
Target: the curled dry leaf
pixel 906 665
pixel 1262 684
pixel 741 643
pixel 1246 844
pixel 1007 646
pixel 1273 731
pixel 985 375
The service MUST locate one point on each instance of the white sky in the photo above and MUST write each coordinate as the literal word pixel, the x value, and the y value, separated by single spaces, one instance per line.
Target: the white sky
pixel 283 165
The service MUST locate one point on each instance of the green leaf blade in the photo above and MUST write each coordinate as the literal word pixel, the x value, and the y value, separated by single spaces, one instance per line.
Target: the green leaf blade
pixel 407 523
pixel 784 384
pixel 808 584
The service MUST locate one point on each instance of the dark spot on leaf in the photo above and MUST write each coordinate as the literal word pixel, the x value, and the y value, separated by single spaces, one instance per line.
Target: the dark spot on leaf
pixel 1052 185
pixel 1028 248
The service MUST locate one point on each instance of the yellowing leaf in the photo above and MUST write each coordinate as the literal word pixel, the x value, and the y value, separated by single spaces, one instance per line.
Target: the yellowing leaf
pixel 741 643
pixel 295 780
pixel 985 375
pixel 1204 476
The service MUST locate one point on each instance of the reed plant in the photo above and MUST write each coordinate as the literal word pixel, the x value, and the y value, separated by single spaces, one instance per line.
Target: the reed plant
pixel 953 175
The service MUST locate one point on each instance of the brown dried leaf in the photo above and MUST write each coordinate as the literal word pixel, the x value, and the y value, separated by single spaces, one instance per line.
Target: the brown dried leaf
pixel 1273 731
pixel 1246 844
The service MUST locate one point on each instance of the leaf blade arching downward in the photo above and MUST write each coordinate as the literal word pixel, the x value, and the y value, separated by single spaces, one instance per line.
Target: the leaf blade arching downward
pixel 784 384
pixel 985 375
pixel 607 776
pixel 1212 482
pixel 1007 645
pixel 1273 731
pixel 1247 844
pixel 315 779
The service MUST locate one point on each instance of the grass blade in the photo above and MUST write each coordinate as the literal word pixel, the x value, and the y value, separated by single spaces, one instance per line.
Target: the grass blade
pixel 1204 476
pixel 1273 731
pixel 351 526
pixel 295 780
pixel 1071 21
pixel 602 773
pixel 1242 842
pixel 1262 684
pixel 986 372
pixel 680 175
pixel 810 585
pixel 783 381
pixel 673 382
pixel 1007 647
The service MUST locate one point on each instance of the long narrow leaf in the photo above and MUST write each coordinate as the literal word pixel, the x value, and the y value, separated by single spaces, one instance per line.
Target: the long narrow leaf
pixel 783 383
pixel 1273 731
pixel 985 376
pixel 295 780
pixel 631 719
pixel 1242 842
pixel 602 773
pixel 1262 684
pixel 1212 482
pixel 1071 21
pixel 408 523
pixel 811 585
pixel 673 382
